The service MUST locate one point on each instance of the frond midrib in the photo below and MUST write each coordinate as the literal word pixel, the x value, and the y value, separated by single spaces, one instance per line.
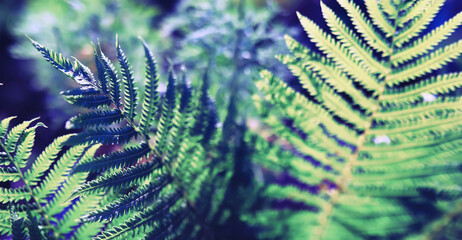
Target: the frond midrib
pixel 345 179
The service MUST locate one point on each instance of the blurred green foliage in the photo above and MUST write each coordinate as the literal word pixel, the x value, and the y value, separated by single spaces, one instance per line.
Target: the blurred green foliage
pixel 235 37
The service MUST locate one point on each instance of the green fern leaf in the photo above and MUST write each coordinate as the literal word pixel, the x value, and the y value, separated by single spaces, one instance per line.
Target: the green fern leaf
pixel 39 202
pixel 45 159
pixel 4 125
pixel 33 226
pixel 14 195
pixel 58 173
pixel 102 82
pixel 165 120
pixel 72 70
pixel 339 54
pixel 145 217
pixel 428 42
pixel 379 17
pixel 124 158
pixel 9 174
pixel 418 23
pixel 151 96
pixel 362 53
pixel 378 135
pixel 121 179
pixel 14 137
pixel 17 226
pixel 426 64
pixel 106 136
pixel 79 209
pixel 364 27
pixel 138 199
pixel 94 119
pixel 111 78
pixel 151 176
pixel 128 83
pixel 88 100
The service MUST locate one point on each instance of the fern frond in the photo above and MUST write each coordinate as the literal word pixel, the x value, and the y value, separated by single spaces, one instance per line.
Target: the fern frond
pixel 32 224
pixel 206 116
pixel 104 135
pixel 328 72
pixel 88 230
pixel 79 209
pixel 165 120
pixel 389 7
pixel 24 148
pixel 364 27
pixel 15 134
pixel 124 158
pixel 419 23
pixel 14 195
pixel 362 53
pixel 97 118
pixel 42 194
pixel 58 173
pixel 417 92
pixel 88 100
pixel 146 217
pixel 366 145
pixel 117 180
pixel 101 72
pixel 136 200
pixel 128 83
pixel 61 63
pixel 64 65
pixel 339 54
pixel 4 124
pixel 428 42
pixel 272 85
pixel 150 176
pixel 45 159
pixel 412 11
pixel 379 17
pixel 151 96
pixel 5 224
pixel 56 206
pixel 9 174
pixel 111 78
pixel 18 227
pixel 426 64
